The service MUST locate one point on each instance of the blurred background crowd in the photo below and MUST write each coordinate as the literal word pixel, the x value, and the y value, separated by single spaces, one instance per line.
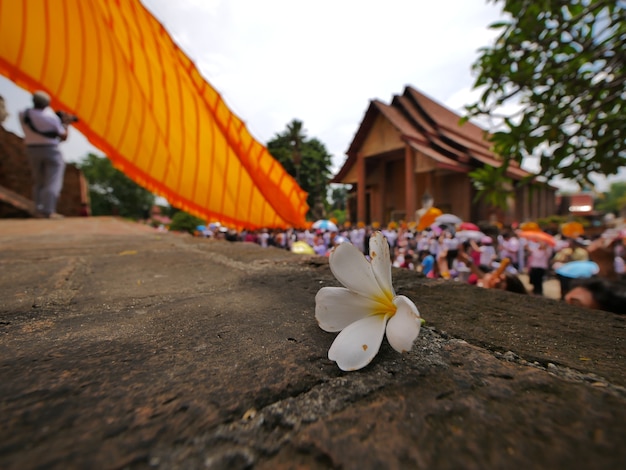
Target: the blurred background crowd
pixel 581 270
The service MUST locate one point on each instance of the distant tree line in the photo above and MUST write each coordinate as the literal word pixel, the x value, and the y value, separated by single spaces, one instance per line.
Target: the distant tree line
pixel 111 192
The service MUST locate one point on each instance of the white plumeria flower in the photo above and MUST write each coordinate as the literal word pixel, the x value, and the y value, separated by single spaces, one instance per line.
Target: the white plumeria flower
pixel 365 307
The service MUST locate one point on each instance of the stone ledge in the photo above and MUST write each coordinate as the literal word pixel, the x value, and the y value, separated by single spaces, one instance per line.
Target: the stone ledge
pixel 125 348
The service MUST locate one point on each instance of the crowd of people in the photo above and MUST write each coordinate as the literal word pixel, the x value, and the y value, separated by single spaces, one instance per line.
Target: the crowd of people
pixel 496 260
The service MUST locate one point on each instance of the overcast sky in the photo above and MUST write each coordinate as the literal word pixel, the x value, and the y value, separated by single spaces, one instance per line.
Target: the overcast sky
pixel 320 62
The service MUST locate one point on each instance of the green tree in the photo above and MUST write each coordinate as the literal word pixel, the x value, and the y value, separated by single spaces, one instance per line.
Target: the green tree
pixel 112 192
pixel 492 187
pixel 614 200
pixel 339 197
pixel 184 222
pixel 307 160
pixel 562 63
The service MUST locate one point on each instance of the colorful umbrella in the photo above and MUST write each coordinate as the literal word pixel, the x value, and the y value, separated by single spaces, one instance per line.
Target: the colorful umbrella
pixel 437 230
pixel 572 229
pixel 468 226
pixel 537 236
pixel 448 219
pixel 578 269
pixel 324 224
pixel 144 103
pixel 302 248
pixel 530 227
pixel 339 239
pixel 470 235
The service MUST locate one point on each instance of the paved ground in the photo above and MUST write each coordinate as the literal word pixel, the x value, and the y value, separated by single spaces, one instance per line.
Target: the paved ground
pixel 16 230
pixel 121 347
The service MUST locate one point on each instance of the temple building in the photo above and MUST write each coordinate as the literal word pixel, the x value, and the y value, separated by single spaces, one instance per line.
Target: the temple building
pixel 415 149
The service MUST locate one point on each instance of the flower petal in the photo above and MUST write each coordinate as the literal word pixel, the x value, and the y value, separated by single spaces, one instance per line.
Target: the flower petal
pixel 381 262
pixel 358 343
pixel 404 326
pixel 337 307
pixel 354 271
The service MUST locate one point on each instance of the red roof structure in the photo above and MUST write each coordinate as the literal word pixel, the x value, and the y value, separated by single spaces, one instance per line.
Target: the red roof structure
pixel 415 145
pixel 430 127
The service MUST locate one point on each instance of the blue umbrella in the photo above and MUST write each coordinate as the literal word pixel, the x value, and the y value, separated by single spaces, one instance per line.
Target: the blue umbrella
pixel 578 269
pixel 324 224
pixel 339 239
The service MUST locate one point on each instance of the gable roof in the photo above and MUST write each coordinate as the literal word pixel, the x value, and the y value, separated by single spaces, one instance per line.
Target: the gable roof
pixel 432 129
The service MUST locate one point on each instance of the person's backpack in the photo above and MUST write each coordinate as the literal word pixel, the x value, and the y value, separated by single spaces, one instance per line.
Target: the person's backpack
pixel 29 123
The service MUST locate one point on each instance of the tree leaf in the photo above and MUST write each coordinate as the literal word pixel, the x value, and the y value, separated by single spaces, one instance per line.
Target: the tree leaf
pixel 561 65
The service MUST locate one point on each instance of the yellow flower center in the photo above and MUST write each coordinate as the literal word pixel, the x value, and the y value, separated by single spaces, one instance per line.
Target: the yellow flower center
pixel 385 305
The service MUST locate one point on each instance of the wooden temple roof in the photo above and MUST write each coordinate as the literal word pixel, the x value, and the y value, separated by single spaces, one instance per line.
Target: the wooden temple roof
pixel 433 130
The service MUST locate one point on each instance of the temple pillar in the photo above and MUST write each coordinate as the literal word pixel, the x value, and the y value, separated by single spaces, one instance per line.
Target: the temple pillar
pixel 381 212
pixel 360 189
pixel 410 198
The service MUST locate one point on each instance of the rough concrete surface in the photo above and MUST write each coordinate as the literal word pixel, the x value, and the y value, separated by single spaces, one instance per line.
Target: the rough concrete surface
pixel 122 347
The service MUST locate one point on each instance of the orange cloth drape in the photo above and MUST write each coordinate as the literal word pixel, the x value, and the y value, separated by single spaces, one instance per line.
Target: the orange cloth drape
pixel 142 101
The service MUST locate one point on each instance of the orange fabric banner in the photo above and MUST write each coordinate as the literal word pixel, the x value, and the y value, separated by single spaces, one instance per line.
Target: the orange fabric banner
pixel 143 102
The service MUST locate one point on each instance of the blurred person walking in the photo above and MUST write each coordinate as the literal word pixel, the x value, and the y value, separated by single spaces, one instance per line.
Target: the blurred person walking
pixel 539 255
pixel 43 131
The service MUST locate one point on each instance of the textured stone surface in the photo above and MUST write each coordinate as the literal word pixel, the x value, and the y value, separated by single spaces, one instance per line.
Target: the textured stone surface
pixel 124 348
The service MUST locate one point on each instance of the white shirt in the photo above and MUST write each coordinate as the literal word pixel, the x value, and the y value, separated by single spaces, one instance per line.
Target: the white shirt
pixel 539 257
pixel 487 255
pixel 391 236
pixel 44 120
pixel 263 239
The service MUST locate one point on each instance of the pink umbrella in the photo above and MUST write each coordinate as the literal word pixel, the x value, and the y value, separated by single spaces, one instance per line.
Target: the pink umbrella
pixel 469 226
pixel 436 229
pixel 539 237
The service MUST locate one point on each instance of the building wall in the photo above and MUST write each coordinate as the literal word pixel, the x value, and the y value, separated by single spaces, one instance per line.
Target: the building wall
pixel 395 205
pixel 533 202
pixel 383 138
pixel 386 184
pixel 374 188
pixel 453 194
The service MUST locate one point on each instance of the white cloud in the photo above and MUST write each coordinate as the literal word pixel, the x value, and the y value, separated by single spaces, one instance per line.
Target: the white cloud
pixel 322 62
